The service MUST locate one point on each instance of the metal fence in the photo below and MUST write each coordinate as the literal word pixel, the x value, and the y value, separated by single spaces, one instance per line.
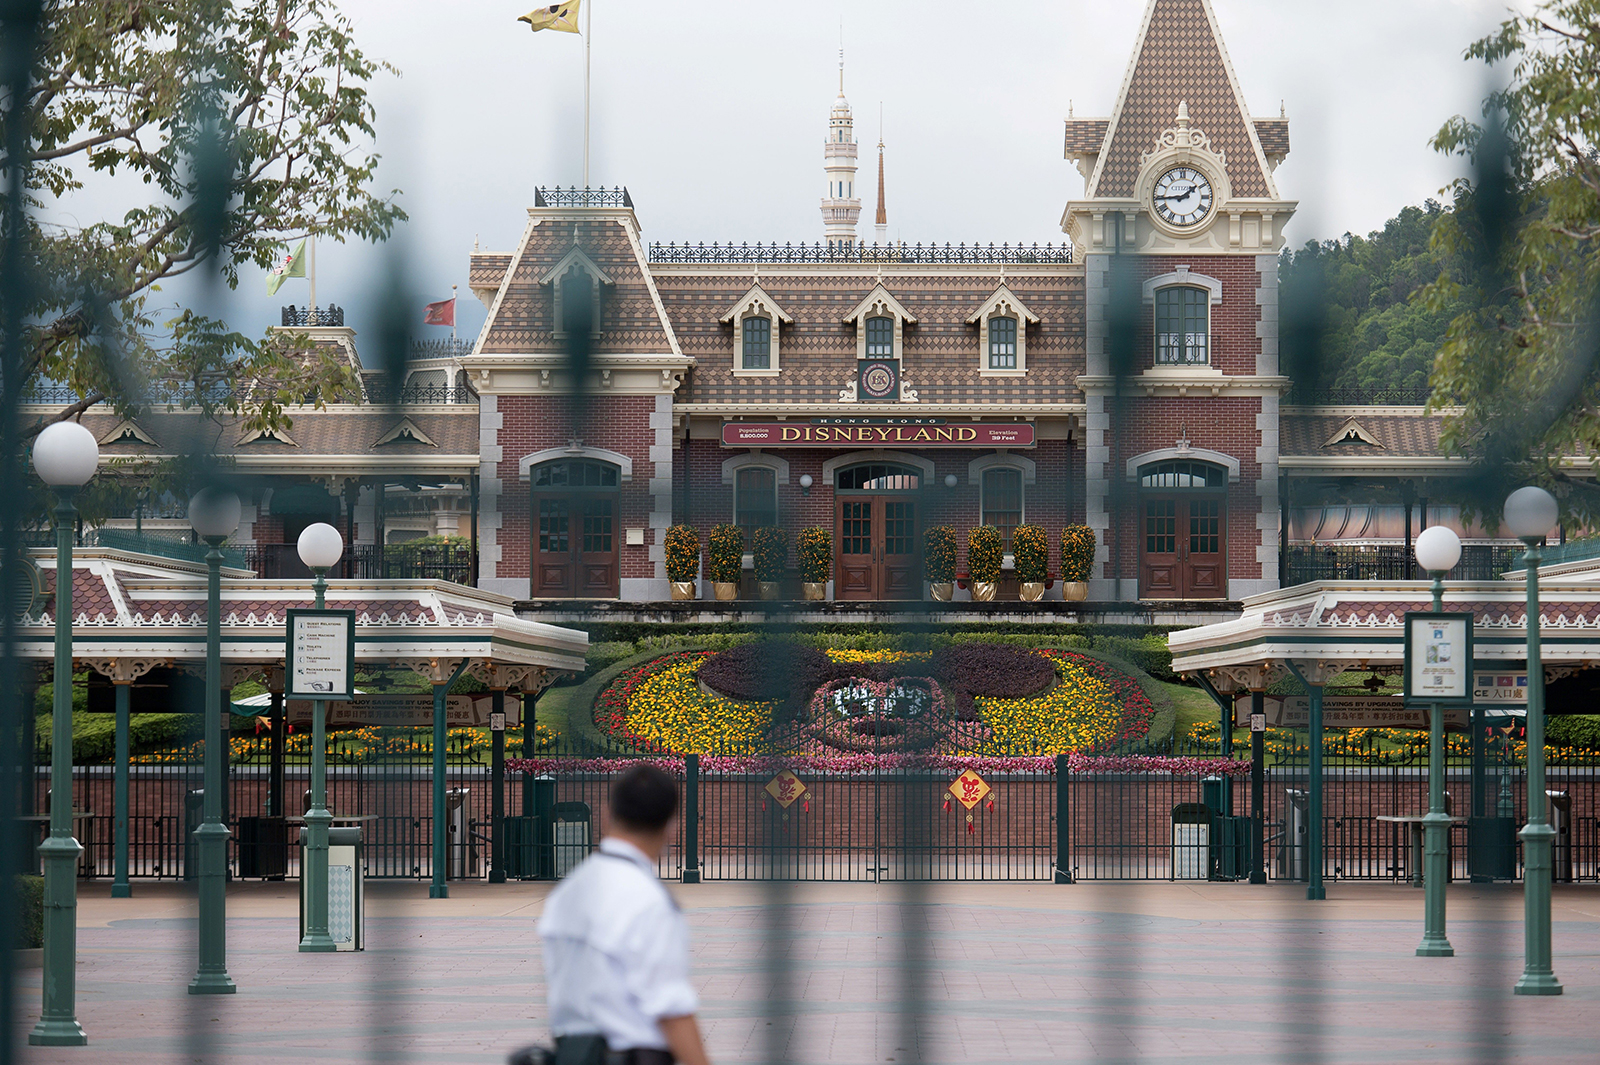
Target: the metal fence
pixel 1389 562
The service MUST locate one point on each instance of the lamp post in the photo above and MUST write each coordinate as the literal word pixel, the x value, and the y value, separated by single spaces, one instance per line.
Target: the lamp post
pixel 214 515
pixel 320 547
pixel 1530 514
pixel 1438 550
pixel 65 455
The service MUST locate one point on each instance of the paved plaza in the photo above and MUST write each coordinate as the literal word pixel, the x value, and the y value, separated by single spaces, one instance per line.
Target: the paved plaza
pixel 1013 972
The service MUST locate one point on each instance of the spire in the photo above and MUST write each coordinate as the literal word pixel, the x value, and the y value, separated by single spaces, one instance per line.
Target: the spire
pixel 841 208
pixel 882 227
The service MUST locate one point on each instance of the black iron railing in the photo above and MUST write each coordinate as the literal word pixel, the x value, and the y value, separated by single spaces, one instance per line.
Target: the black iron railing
pixel 186 397
pixel 442 348
pixel 1360 397
pixel 421 394
pixel 556 196
pixel 861 253
pixel 428 562
pixel 1387 562
pixel 332 314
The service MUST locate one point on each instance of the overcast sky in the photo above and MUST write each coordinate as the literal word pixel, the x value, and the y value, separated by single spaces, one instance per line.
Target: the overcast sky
pixel 713 114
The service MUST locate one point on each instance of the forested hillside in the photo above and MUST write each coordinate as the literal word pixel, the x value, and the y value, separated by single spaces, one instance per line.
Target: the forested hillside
pixel 1349 322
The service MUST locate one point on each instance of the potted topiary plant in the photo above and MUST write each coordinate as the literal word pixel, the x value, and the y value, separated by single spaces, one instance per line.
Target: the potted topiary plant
pixel 725 561
pixel 984 554
pixel 683 559
pixel 770 546
pixel 939 562
pixel 1077 561
pixel 1030 550
pixel 815 548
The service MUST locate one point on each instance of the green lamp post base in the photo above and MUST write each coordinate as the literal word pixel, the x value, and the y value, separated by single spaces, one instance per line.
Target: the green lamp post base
pixel 213 984
pixel 121 891
pixel 1538 984
pixel 1438 947
pixel 438 891
pixel 57 1034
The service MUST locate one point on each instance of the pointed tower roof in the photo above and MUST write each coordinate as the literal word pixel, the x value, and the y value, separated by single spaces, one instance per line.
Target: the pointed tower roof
pixel 883 210
pixel 1179 58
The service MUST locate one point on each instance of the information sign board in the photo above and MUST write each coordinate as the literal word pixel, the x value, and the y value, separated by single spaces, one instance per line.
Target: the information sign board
pixel 321 655
pixel 1439 658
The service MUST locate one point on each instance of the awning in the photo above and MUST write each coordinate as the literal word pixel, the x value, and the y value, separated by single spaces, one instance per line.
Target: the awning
pixel 302 499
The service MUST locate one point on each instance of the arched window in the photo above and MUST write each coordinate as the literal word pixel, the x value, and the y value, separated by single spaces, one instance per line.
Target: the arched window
pixel 1002 343
pixel 878 477
pixel 1182 474
pixel 757 350
pixel 1183 326
pixel 880 336
pixel 575 473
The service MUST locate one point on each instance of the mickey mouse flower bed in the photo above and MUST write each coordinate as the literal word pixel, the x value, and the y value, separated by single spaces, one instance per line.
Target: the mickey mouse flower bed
pixel 967 700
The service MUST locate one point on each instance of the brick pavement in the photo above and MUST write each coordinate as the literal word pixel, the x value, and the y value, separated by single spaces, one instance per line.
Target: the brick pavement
pixel 1014 972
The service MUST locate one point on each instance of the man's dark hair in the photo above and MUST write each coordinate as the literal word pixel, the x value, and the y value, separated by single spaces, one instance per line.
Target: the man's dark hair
pixel 644 798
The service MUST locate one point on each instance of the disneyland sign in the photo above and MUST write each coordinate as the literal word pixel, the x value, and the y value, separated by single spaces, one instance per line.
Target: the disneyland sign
pixel 792 434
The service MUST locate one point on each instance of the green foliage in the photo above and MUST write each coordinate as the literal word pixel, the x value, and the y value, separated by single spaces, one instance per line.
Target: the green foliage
pixel 939 554
pixel 770 549
pixel 683 553
pixel 1149 653
pixel 815 548
pixel 231 129
pixel 1520 360
pixel 984 553
pixel 1571 730
pixel 725 563
pixel 606 654
pixel 29 899
pixel 1030 551
pixel 94 736
pixel 1077 553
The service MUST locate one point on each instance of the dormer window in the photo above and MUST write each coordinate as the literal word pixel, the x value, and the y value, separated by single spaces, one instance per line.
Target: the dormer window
pixel 757 345
pixel 1002 343
pixel 880 337
pixel 1002 323
pixel 1183 326
pixel 576 282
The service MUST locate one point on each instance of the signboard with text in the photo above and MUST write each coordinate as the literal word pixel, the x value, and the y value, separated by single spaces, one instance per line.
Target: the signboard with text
pixel 408 710
pixel 804 434
pixel 1499 688
pixel 1357 711
pixel 1439 658
pixel 321 655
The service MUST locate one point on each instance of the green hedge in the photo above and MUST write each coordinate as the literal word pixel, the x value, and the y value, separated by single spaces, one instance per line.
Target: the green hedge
pixel 30 907
pixel 94 736
pixel 1573 730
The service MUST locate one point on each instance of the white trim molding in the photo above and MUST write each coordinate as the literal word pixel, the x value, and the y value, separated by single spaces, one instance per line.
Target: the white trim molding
pixel 1003 460
pixel 853 458
pixel 1183 276
pixel 577 451
pixel 756 303
pixel 732 465
pixel 1216 458
pixel 575 261
pixel 1002 303
pixel 879 303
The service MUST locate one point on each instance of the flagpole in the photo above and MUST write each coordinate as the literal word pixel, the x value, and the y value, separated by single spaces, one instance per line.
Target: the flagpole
pixel 311 276
pixel 588 35
pixel 452 312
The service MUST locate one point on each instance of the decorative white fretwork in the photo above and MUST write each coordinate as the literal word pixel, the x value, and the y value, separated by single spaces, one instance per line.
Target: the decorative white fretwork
pixel 123 670
pixel 1182 138
pixel 847 394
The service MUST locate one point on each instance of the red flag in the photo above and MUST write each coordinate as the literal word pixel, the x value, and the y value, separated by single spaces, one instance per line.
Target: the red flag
pixel 441 313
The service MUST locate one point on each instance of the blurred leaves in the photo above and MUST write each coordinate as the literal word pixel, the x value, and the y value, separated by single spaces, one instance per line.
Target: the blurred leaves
pixel 247 123
pixel 1522 359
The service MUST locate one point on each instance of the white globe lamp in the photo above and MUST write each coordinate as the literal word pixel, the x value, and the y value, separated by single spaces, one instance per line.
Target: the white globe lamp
pixel 1438 549
pixel 214 513
pixel 65 455
pixel 320 546
pixel 1531 513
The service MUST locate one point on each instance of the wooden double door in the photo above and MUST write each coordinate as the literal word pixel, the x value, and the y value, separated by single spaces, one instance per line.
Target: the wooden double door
pixel 1183 548
pixel 877 548
pixel 575 545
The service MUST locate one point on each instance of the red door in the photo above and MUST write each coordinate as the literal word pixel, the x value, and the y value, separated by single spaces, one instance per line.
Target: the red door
pixel 1183 548
pixel 575 547
pixel 877 553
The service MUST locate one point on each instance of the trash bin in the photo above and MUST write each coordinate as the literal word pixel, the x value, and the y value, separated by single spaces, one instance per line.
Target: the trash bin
pixel 573 824
pixel 263 847
pixel 1492 848
pixel 1561 821
pixel 1292 855
pixel 460 856
pixel 194 804
pixel 1230 836
pixel 1217 793
pixel 521 837
pixel 1191 841
pixel 347 894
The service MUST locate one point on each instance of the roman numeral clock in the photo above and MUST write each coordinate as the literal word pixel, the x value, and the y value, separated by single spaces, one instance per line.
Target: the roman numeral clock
pixel 1182 196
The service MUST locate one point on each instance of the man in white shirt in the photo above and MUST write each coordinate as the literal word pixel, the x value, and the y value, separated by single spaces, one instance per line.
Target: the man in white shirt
pixel 616 949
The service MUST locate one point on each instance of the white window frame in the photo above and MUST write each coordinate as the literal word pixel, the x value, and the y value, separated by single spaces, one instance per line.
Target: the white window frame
pixel 756 303
pixel 880 303
pixel 575 261
pixel 1183 277
pixel 1002 303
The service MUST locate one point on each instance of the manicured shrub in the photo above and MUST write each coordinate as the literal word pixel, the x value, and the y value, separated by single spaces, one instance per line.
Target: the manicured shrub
pixel 725 562
pixel 1030 550
pixel 939 554
pixel 1077 553
pixel 984 553
pixel 1149 653
pixel 771 551
pixel 768 669
pixel 815 547
pixel 683 553
pixel 1572 730
pixel 990 670
pixel 30 912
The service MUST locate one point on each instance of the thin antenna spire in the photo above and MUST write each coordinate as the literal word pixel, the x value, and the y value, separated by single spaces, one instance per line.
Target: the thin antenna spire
pixel 841 55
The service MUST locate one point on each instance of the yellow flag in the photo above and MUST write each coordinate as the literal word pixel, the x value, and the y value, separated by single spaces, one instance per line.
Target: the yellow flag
pixel 563 17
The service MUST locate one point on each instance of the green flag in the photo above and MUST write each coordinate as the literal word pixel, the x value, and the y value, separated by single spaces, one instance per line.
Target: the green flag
pixel 293 265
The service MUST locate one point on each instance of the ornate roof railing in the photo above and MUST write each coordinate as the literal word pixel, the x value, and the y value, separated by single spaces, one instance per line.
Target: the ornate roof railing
pixel 1359 397
pixel 62 395
pixel 332 314
pixel 441 348
pixel 556 196
pixel 833 252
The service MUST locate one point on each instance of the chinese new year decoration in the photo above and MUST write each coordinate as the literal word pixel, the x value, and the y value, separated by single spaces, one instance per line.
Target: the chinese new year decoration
pixel 969 789
pixel 787 789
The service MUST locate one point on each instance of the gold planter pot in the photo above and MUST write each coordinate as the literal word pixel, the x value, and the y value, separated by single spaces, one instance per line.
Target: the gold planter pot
pixel 1075 591
pixel 724 591
pixel 983 591
pixel 682 590
pixel 1032 591
pixel 767 590
pixel 814 591
pixel 942 591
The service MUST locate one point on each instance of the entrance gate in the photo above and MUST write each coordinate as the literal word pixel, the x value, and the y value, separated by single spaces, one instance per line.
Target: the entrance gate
pixel 876 532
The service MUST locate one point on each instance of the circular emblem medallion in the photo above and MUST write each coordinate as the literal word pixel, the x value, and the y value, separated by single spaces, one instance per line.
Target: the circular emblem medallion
pixel 878 380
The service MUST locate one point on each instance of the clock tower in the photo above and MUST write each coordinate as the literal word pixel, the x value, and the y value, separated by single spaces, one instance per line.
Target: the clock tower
pixel 1179 230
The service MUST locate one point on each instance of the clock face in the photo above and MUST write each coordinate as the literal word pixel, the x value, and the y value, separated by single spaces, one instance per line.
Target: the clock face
pixel 1182 196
